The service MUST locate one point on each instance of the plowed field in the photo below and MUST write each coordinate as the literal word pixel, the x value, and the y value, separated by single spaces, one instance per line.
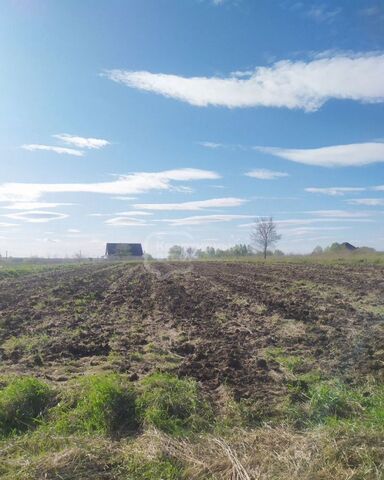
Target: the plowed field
pixel 242 325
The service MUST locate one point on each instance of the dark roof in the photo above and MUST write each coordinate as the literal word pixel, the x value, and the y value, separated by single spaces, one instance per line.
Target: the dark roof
pixel 348 246
pixel 124 249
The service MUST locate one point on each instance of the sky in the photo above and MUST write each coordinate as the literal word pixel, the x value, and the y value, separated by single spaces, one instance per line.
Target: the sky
pixel 182 121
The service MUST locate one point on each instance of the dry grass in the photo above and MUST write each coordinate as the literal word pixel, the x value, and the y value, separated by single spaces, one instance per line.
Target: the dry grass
pixel 265 453
pixel 273 453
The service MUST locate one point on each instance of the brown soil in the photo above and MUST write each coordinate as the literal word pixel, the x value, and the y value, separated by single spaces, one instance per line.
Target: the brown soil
pixel 217 322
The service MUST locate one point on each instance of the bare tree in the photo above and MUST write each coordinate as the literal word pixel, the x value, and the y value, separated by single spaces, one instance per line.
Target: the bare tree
pixel 264 234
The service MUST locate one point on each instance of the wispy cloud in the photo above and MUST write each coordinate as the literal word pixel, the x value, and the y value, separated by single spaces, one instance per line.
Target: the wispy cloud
pixel 369 202
pixel 212 145
pixel 134 213
pixel 134 183
pixel 264 174
pixel 195 205
pixel 36 216
pixel 303 85
pixel 340 213
pixel 124 221
pixel 334 191
pixel 351 155
pixel 304 231
pixel 7 225
pixel 51 148
pixel 320 216
pixel 323 14
pixel 82 142
pixel 205 219
pixel 34 205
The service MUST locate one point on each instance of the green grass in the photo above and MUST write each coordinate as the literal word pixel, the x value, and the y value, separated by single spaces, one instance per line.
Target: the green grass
pixel 141 468
pixel 171 404
pixel 103 404
pixel 332 430
pixel 319 402
pixel 26 345
pixel 23 402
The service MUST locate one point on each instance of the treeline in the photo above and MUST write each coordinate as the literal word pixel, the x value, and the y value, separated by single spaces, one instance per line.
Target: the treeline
pixel 177 252
pixel 342 248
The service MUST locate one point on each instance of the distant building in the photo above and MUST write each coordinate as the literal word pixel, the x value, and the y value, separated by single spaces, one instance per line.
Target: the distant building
pixel 348 246
pixel 126 251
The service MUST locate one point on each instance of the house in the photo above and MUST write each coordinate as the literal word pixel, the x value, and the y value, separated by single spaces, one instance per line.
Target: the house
pixel 348 246
pixel 124 251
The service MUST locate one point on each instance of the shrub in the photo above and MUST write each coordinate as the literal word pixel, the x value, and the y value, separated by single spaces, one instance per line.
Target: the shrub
pixel 22 403
pixel 97 403
pixel 172 404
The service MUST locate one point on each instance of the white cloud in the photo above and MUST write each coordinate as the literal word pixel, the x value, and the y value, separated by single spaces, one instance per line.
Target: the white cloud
pixel 37 216
pixel 124 221
pixel 334 191
pixel 51 148
pixel 73 230
pixel 369 202
pixel 330 218
pixel 211 145
pixel 305 85
pixel 379 188
pixel 303 231
pixel 196 205
pixel 124 198
pixel 133 213
pixel 204 219
pixel 340 213
pixel 352 155
pixel 82 142
pixel 7 225
pixel 264 174
pixel 34 205
pixel 134 183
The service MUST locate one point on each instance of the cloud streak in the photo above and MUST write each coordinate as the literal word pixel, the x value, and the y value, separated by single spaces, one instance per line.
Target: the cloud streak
pixel 204 219
pixel 195 205
pixel 369 202
pixel 305 85
pixel 334 191
pixel 264 174
pixel 33 147
pixel 34 205
pixel 37 216
pixel 134 183
pixel 82 142
pixel 350 155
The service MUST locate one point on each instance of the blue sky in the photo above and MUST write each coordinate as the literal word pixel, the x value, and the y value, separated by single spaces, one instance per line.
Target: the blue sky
pixel 180 121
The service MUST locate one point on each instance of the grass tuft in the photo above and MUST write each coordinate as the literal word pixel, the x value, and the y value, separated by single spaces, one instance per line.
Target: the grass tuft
pixel 103 404
pixel 22 404
pixel 171 404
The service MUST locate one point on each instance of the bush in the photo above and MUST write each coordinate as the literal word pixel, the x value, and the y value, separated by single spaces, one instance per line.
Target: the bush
pixel 172 404
pixel 22 403
pixel 97 403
